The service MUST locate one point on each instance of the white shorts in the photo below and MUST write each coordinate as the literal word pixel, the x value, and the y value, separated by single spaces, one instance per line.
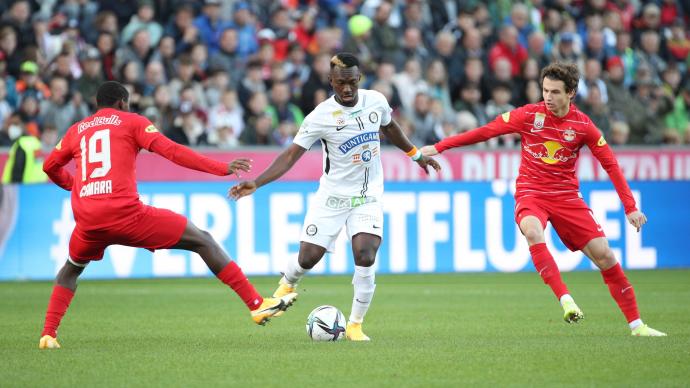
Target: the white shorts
pixel 328 214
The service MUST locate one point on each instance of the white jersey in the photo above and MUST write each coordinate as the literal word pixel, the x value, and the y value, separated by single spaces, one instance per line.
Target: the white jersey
pixel 350 141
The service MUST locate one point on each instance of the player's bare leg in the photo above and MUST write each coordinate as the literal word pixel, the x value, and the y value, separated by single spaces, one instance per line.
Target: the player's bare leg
pixel 309 255
pixel 620 288
pixel 364 248
pixel 228 272
pixel 533 230
pixel 63 292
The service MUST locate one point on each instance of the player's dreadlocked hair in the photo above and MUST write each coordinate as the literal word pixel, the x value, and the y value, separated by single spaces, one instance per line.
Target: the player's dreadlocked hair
pixel 566 72
pixel 111 92
pixel 344 60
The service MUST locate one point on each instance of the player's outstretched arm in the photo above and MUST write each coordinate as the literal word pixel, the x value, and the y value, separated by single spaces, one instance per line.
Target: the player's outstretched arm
pixel 395 134
pixel 278 167
pixel 508 122
pixel 601 150
pixel 186 157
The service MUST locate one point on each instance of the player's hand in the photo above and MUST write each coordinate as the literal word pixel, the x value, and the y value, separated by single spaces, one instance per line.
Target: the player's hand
pixel 242 189
pixel 429 150
pixel 424 162
pixel 237 165
pixel 637 219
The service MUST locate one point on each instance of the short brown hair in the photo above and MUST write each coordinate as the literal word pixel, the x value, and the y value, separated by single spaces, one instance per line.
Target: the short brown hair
pixel 566 72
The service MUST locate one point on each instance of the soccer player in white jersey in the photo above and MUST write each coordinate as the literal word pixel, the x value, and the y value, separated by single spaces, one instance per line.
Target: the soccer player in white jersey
pixel 351 186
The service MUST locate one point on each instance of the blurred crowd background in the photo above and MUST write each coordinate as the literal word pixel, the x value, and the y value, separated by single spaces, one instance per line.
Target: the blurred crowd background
pixel 227 73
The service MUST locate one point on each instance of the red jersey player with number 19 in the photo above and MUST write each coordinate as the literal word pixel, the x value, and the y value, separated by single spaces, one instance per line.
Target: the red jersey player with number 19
pixel 107 209
pixel 553 131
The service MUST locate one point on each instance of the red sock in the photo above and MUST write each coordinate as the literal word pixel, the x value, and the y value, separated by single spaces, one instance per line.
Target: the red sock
pixel 233 276
pixel 622 291
pixel 57 306
pixel 547 269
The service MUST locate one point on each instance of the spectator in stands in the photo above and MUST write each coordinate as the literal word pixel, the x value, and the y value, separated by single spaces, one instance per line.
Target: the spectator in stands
pixel 165 54
pixel 154 75
pixel 385 73
pixel 447 52
pixel 384 37
pixel 17 17
pixel 566 49
pixel 413 46
pixel 143 19
pixel 165 113
pixel 251 83
pixel 593 105
pixel 409 83
pixel 678 121
pixel 64 67
pixel 281 109
pixel 210 24
pixel 649 53
pixel 182 28
pixel 8 47
pixel 285 133
pixel 225 121
pixel 63 109
pixel 655 104
pixel 317 87
pixel 305 31
pixel 31 116
pixel 519 18
pixel 184 78
pixel 106 45
pixel 92 77
pixel 536 48
pixel 508 47
pixel 199 55
pixel 138 51
pixel 501 95
pixel 226 56
pixel 592 76
pixel 678 44
pixel 421 118
pixel 30 84
pixel 437 81
pixel 245 24
pixel 620 131
pixel 296 67
pixel 471 101
pixel 188 129
pixel 258 131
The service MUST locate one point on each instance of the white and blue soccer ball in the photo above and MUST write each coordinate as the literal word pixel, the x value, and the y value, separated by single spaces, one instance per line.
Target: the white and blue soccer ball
pixel 326 323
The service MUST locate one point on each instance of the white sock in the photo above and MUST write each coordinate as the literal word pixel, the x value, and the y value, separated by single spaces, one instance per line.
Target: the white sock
pixel 364 285
pixel 634 324
pixel 566 298
pixel 294 272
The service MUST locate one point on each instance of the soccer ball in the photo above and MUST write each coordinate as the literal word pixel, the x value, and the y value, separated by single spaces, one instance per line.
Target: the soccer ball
pixel 326 323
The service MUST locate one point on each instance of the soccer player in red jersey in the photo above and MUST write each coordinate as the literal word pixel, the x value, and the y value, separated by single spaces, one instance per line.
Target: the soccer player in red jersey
pixel 107 209
pixel 553 131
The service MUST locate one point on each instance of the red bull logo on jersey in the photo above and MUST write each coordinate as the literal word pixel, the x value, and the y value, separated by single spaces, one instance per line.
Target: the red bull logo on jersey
pixel 569 134
pixel 550 152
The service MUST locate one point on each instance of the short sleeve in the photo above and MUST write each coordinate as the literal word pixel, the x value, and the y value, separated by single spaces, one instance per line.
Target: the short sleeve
pixel 308 133
pixel 144 131
pixel 386 111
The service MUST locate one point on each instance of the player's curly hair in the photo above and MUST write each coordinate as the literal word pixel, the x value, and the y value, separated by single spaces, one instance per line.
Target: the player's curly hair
pixel 566 72
pixel 344 60
pixel 110 92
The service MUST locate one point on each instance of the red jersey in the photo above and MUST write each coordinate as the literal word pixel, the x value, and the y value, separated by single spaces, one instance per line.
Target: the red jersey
pixel 550 147
pixel 104 147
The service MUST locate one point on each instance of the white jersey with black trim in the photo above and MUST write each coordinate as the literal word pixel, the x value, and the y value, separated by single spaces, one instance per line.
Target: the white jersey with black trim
pixel 350 142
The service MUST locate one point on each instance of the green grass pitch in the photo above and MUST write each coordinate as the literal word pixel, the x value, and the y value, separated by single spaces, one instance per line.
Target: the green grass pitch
pixel 426 330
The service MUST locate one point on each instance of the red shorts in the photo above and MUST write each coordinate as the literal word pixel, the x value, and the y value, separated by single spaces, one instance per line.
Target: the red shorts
pixel 151 228
pixel 571 218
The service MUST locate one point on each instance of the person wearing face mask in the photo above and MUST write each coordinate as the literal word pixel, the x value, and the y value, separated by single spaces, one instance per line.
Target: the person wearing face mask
pixel 24 164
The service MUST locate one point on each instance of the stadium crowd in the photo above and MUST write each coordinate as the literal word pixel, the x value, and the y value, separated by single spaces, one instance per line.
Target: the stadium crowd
pixel 224 73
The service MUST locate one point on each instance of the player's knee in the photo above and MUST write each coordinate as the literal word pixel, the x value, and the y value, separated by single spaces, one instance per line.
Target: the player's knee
pixel 365 257
pixel 606 259
pixel 533 235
